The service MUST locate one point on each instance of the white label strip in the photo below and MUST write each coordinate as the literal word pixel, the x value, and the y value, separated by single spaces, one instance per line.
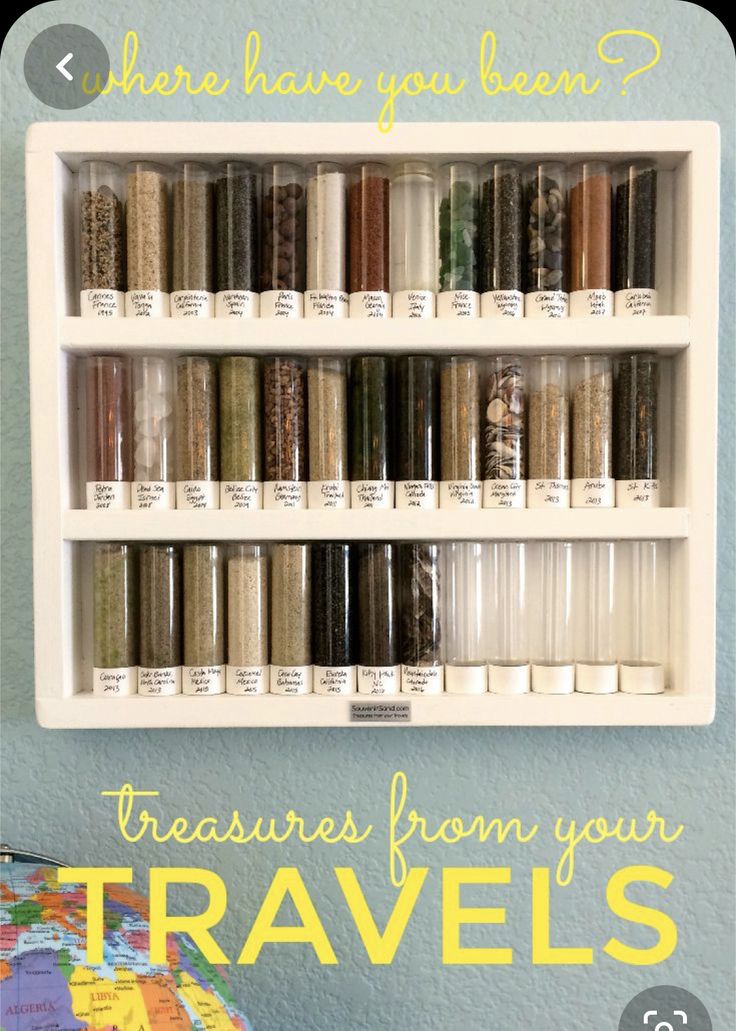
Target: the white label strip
pixel 112 494
pixel 460 494
pixel 372 494
pixel 147 304
pixel 203 679
pixel 509 680
pixel 245 680
pixel 197 494
pixel 291 679
pixel 548 494
pixel 326 304
pixel 113 683
pixel 328 494
pixel 546 304
pixel 553 679
pixel 637 493
pixel 237 304
pixel 285 494
pixel 102 304
pixel 466 679
pixel 596 678
pixel 416 494
pixel 593 493
pixel 591 303
pixel 282 304
pixel 422 679
pixel 413 304
pixel 334 679
pixel 379 679
pixel 504 493
pixel 163 681
pixel 370 304
pixel 628 303
pixel 151 494
pixel 502 304
pixel 192 304
pixel 458 304
pixel 242 494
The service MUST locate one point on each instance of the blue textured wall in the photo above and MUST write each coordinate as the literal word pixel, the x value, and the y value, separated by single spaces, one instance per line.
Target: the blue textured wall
pixel 51 780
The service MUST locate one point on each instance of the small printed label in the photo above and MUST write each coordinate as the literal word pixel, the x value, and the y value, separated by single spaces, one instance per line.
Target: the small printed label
pixel 291 679
pixel 247 680
pixel 326 304
pixel 193 494
pixel 108 494
pixel 153 494
pixel 637 493
pixel 281 494
pixel 147 304
pixel 282 304
pixel 192 304
pixel 422 679
pixel 504 493
pixel 379 679
pixel 334 679
pixel 370 304
pixel 505 304
pixel 587 303
pixel 458 304
pixel 416 494
pixel 635 302
pixel 117 682
pixel 546 304
pixel 593 493
pixel 242 494
pixel 548 494
pixel 460 494
pixel 328 494
pixel 203 679
pixel 380 712
pixel 102 304
pixel 372 494
pixel 163 681
pixel 237 304
pixel 413 304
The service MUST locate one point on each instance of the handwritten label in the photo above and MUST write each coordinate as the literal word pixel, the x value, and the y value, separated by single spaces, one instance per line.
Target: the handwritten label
pixel 122 680
pixel 102 304
pixel 460 494
pixel 328 494
pixel 504 493
pixel 413 304
pixel 370 304
pixel 285 494
pixel 546 304
pixel 291 679
pixel 197 494
pixel 635 302
pixel 372 494
pixel 237 304
pixel 198 680
pixel 242 494
pixel 422 679
pixel 593 493
pixel 458 304
pixel 147 304
pixel 326 304
pixel 379 679
pixel 153 494
pixel 548 494
pixel 246 680
pixel 282 304
pixel 588 303
pixel 637 494
pixel 192 304
pixel 163 681
pixel 334 679
pixel 505 304
pixel 110 494
pixel 380 712
pixel 416 494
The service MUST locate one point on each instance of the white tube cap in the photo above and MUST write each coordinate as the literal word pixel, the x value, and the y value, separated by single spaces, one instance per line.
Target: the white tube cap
pixel 642 679
pixel 466 679
pixel 553 679
pixel 596 678
pixel 509 679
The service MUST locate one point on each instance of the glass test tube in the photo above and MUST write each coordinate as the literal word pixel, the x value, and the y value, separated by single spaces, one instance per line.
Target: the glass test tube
pixel 596 667
pixel 237 188
pixel 148 238
pixel 109 435
pixel 635 238
pixel 635 452
pixel 504 434
pixel 420 587
pixel 291 606
pixel 284 433
pixel 417 423
pixel 545 282
pixel 465 647
pixel 326 286
pixel 241 415
pixel 115 607
pixel 553 650
pixel 327 390
pixel 379 671
pixel 506 617
pixel 334 644
pixel 247 619
pixel 589 205
pixel 413 240
pixel 159 671
pixel 101 237
pixel 458 241
pixel 501 240
pixel 368 216
pixel 548 431
pixel 643 616
pixel 591 395
pixel 193 262
pixel 283 241
pixel 460 469
pixel 371 465
pixel 197 474
pixel 153 434
pixel 203 671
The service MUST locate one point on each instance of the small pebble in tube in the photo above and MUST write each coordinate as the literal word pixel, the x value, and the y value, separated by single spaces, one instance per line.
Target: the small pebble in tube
pixel 237 260
pixel 635 221
pixel 197 475
pixel 148 240
pixel 247 619
pixel 159 672
pixel 203 672
pixel 413 240
pixel 327 393
pixel 291 617
pixel 458 241
pixel 548 432
pixel 154 484
pixel 284 433
pixel 643 616
pixel 115 607
pixel 417 425
pixel 460 451
pixel 109 432
pixel 553 658
pixel 501 240
pixel 420 586
pixel 465 645
pixel 371 464
pixel 589 205
pixel 241 417
pixel 368 223
pixel 101 238
pixel 545 281
pixel 193 271
pixel 506 617
pixel 594 597
pixel 379 671
pixel 326 286
pixel 504 434
pixel 635 410
pixel 334 638
pixel 591 394
pixel 283 241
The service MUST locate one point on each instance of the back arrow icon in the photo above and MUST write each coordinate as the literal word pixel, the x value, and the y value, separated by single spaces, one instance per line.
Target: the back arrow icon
pixel 61 67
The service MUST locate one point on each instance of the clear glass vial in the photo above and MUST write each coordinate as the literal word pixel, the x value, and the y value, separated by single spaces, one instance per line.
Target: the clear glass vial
pixel 635 238
pixel 501 240
pixel 241 418
pixel 101 239
pixel 203 671
pixel 506 617
pixel 197 467
pixel 636 444
pixel 285 433
pixel 154 398
pixel 327 394
pixel 417 424
pixel 460 451
pixel 596 667
pixel 247 619
pixel 193 258
pixel 591 395
pixel 115 608
pixel 457 223
pixel 283 241
pixel 553 649
pixel 148 240
pixel 108 432
pixel 291 610
pixel 589 205
pixel 545 209
pixel 237 259
pixel 326 286
pixel 334 637
pixel 465 645
pixel 504 433
pixel 379 671
pixel 413 240
pixel 643 616
pixel 371 458
pixel 420 604
pixel 369 241
pixel 548 430
pixel 159 671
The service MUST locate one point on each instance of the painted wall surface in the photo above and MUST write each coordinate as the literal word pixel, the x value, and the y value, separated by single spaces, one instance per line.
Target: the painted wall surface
pixel 51 780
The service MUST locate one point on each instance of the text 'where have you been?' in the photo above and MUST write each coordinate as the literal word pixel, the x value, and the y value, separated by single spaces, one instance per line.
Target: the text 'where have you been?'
pixel 389 84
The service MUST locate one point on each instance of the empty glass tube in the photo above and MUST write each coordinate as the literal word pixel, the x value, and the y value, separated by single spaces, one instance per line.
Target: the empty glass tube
pixel 334 645
pixel 197 473
pixel 371 466
pixel 504 434
pixel 506 617
pixel 591 383
pixel 501 240
pixel 635 410
pixel 115 608
pixel 203 672
pixel 553 650
pixel 326 287
pixel 284 433
pixel 421 642
pixel 247 619
pixel 193 271
pixel 460 461
pixel 379 671
pixel 596 668
pixel 465 646
pixel 241 416
pixel 458 240
pixel 635 238
pixel 283 241
pixel 101 237
pixel 148 239
pixel 548 429
pixel 413 240
pixel 589 205
pixel 153 434
pixel 291 608
pixel 368 216
pixel 159 671
pixel 237 185
pixel 109 432
pixel 417 423
pixel 643 607
pixel 327 388
pixel 545 282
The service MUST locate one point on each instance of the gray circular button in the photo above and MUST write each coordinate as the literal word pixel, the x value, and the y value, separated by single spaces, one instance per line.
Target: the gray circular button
pixel 66 65
pixel 665 1008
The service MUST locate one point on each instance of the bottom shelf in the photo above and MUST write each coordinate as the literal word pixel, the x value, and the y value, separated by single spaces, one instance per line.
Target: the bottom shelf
pixel 87 711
